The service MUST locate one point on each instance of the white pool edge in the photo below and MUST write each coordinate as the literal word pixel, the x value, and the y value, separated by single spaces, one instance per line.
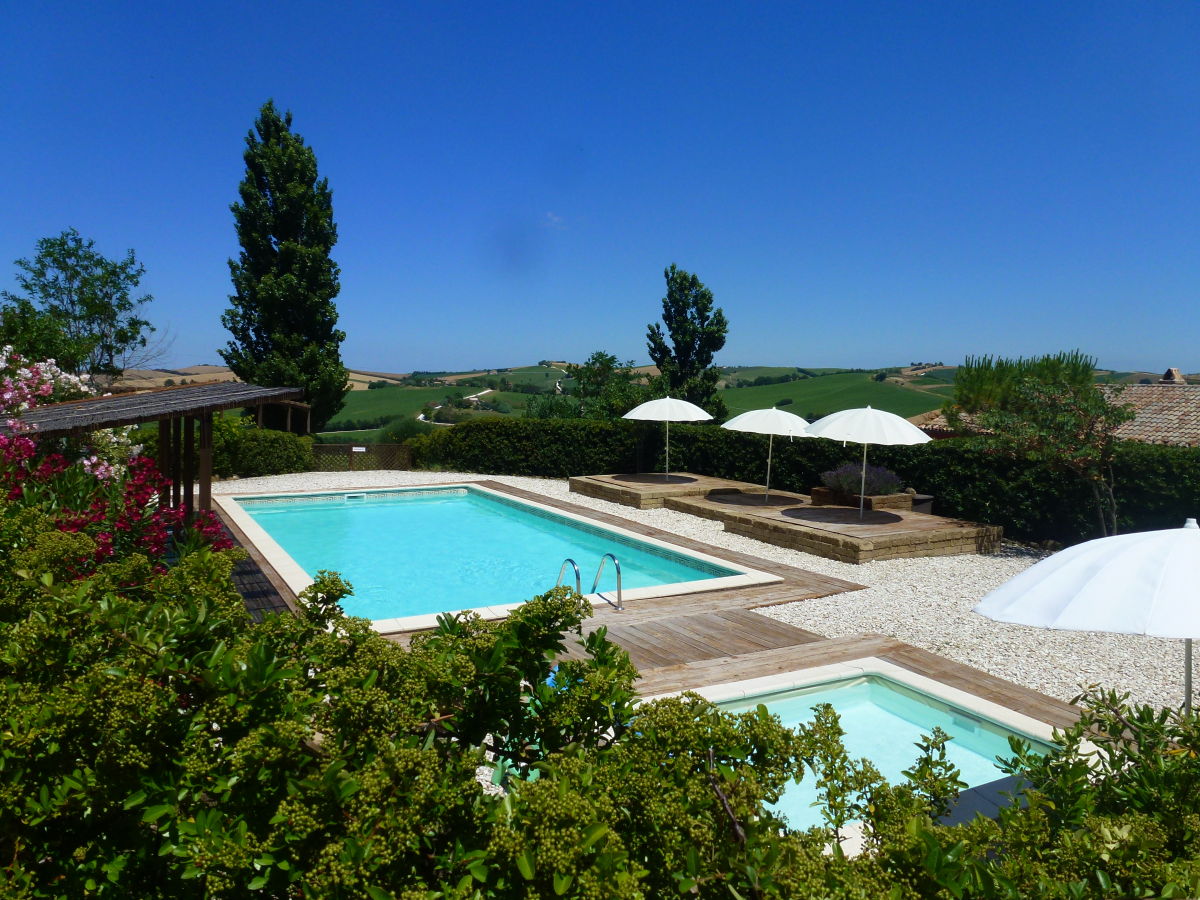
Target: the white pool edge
pixel 871 665
pixel 297 580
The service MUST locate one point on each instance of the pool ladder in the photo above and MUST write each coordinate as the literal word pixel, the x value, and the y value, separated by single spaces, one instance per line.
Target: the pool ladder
pixel 620 604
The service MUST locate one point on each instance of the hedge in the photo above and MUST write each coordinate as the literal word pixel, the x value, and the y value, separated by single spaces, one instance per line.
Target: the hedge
pixel 247 451
pixel 1157 487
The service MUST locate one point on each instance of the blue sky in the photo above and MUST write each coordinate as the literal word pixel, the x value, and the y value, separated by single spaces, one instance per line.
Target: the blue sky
pixel 860 184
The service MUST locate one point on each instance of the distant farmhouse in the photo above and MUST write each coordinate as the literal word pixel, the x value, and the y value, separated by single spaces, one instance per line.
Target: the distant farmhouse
pixel 1164 413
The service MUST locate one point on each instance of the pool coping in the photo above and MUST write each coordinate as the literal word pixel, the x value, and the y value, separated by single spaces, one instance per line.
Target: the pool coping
pixel 289 573
pixel 749 688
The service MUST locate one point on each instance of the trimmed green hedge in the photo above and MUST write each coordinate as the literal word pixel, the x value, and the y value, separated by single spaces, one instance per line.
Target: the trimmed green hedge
pixel 1157 487
pixel 247 451
pixel 546 447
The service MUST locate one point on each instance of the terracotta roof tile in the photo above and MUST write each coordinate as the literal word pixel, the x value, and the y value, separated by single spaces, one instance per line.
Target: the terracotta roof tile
pixel 1166 414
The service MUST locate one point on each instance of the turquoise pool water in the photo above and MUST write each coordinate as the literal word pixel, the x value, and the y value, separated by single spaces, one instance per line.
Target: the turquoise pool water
pixel 427 551
pixel 883 720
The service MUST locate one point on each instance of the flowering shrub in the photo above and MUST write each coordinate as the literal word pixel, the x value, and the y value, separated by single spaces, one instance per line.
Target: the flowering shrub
pixel 848 479
pixel 114 502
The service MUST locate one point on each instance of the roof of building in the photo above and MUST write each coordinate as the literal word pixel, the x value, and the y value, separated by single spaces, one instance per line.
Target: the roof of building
pixel 94 413
pixel 1164 414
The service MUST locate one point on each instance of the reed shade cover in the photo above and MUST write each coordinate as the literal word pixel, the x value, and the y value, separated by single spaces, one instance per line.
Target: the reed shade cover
pixel 668 409
pixel 769 422
pixel 1142 583
pixel 867 426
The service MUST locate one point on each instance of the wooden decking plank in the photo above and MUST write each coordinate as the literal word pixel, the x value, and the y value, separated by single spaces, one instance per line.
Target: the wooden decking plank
pixel 736 637
pixel 765 625
pixel 698 635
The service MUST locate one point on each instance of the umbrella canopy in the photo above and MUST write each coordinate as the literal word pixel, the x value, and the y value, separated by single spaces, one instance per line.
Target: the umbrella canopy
pixel 867 426
pixel 667 409
pixel 1143 583
pixel 770 422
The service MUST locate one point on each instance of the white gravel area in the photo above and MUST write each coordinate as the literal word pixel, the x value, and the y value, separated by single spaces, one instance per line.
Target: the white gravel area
pixel 924 602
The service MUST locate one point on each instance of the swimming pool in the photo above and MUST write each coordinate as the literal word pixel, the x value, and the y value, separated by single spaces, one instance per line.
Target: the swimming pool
pixel 884 717
pixel 412 553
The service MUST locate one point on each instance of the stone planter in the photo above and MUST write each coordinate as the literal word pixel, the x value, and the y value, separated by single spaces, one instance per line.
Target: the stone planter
pixel 823 496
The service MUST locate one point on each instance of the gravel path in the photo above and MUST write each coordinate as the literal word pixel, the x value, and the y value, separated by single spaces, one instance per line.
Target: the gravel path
pixel 925 602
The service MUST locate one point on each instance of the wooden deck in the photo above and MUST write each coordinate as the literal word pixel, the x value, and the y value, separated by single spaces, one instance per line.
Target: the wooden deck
pixel 838 532
pixel 649 490
pixel 790 520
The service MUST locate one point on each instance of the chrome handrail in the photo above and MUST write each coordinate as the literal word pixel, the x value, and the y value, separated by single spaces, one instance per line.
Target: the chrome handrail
pixel 578 578
pixel 620 604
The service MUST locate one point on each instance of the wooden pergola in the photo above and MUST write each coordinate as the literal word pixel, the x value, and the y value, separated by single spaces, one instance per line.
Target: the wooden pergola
pixel 180 412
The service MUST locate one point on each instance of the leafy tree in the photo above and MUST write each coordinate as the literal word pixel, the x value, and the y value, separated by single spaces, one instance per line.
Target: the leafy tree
pixel 80 307
pixel 696 331
pixel 1068 428
pixel 1049 411
pixel 606 387
pixel 282 316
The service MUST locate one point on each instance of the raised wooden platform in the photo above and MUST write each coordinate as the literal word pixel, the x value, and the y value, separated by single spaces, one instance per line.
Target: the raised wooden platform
pixel 837 532
pixel 649 490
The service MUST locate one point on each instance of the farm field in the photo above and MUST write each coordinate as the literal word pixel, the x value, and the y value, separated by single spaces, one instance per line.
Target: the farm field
pixel 390 401
pixel 820 396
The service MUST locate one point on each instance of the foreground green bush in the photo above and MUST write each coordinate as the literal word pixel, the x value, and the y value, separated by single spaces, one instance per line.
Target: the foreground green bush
pixel 1156 486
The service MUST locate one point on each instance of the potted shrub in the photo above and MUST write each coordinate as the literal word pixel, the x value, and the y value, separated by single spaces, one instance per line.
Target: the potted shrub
pixel 840 487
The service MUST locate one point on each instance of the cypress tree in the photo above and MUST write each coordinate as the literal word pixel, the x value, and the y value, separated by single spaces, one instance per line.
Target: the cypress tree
pixel 696 331
pixel 281 314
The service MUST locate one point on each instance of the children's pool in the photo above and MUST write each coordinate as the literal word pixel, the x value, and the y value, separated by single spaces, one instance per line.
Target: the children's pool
pixel 883 720
pixel 419 552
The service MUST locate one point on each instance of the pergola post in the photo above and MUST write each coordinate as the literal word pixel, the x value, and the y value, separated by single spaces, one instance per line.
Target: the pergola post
pixel 164 461
pixel 206 458
pixel 176 442
pixel 189 468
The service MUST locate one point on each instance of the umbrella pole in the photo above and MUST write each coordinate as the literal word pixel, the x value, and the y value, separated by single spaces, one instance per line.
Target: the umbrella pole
pixel 667 470
pixel 1187 676
pixel 862 487
pixel 770 445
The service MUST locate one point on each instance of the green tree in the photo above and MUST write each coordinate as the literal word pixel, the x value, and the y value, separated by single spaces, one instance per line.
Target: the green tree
pixel 79 307
pixel 1047 410
pixel 606 387
pixel 988 383
pixel 696 331
pixel 282 316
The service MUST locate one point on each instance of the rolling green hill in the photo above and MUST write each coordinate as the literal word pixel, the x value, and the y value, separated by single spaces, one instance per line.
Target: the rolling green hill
pixel 389 401
pixel 830 393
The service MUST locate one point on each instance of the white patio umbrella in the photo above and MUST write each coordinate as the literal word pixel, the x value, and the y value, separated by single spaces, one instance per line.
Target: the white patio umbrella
pixel 1142 583
pixel 867 426
pixel 769 422
pixel 668 409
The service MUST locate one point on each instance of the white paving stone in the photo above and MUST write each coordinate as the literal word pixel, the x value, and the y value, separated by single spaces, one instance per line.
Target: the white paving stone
pixel 925 602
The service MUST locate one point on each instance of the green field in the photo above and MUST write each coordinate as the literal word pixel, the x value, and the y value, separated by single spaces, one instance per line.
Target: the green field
pixel 830 393
pixel 810 397
pixel 536 375
pixel 936 376
pixel 390 401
